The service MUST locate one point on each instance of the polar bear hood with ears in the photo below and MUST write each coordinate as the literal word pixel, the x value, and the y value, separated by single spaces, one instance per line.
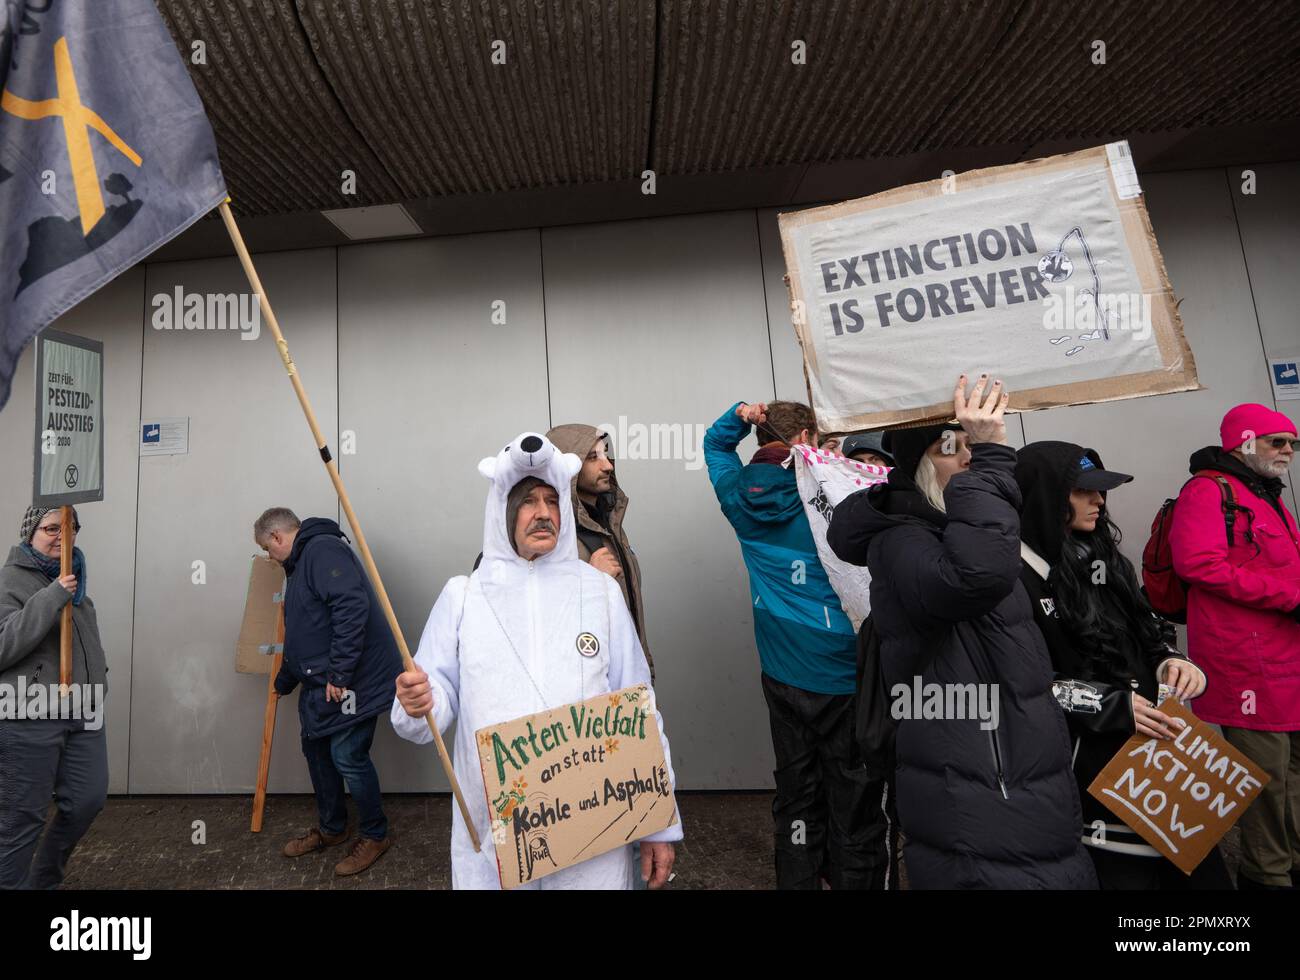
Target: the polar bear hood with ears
pixel 528 454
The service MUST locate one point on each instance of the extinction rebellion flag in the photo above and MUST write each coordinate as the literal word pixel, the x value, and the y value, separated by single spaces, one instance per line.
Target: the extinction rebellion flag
pixel 105 154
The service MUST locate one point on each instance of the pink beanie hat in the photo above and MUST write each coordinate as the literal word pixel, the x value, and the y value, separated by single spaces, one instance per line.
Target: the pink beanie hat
pixel 1250 420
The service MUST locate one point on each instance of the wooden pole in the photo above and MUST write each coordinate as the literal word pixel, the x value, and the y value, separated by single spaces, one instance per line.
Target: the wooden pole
pixel 332 468
pixel 268 724
pixel 65 619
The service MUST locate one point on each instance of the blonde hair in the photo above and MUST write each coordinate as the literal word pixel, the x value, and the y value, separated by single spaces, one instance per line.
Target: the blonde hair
pixel 927 481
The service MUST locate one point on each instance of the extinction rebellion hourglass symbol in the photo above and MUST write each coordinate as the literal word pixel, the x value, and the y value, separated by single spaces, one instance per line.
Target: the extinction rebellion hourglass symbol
pixel 70 475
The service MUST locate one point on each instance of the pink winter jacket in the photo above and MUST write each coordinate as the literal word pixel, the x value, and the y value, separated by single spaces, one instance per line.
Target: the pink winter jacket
pixel 1240 600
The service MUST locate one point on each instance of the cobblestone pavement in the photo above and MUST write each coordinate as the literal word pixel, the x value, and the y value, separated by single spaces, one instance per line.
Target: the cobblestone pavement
pixel 148 842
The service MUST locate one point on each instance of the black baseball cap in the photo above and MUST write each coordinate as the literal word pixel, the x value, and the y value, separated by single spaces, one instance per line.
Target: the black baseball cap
pixel 865 442
pixel 1094 476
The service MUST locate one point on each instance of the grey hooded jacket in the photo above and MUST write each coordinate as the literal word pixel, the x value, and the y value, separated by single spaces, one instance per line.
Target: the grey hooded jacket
pixel 30 605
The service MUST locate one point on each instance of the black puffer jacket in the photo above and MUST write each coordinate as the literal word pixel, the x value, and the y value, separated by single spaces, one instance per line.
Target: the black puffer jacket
pixel 980 809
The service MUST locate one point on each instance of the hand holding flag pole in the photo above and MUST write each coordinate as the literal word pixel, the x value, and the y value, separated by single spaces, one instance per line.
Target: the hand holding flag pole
pixel 332 468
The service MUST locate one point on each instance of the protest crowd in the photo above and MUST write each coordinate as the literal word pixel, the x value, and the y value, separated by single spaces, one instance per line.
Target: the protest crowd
pixel 969 684
pixel 992 570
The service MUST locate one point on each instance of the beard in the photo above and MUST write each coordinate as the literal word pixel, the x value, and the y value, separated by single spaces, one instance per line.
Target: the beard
pixel 1265 468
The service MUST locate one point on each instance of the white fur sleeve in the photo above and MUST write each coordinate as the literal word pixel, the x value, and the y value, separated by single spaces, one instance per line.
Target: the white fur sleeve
pixel 627 666
pixel 439 657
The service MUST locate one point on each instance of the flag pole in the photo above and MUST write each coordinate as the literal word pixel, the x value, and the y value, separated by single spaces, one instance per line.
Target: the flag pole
pixel 332 468
pixel 65 617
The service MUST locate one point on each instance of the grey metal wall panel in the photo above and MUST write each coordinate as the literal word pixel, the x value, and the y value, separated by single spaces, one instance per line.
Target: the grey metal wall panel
pixel 663 323
pixel 1269 220
pixel 430 386
pixel 196 725
pixel 112 316
pixel 787 356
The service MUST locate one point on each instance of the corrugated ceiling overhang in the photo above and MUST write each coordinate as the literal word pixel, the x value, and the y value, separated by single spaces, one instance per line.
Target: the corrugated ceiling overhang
pixel 405 93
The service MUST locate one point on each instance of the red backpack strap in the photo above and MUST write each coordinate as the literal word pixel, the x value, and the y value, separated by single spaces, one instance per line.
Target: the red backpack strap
pixel 1227 501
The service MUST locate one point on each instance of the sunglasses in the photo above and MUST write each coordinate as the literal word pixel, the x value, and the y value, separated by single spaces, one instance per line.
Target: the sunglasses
pixel 1278 442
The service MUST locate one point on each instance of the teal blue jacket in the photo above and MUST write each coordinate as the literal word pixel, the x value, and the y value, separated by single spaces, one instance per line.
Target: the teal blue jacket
pixel 804 639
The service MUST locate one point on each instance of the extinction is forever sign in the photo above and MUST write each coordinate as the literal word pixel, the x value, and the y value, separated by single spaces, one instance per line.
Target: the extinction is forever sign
pixel 1045 272
pixel 567 784
pixel 1180 795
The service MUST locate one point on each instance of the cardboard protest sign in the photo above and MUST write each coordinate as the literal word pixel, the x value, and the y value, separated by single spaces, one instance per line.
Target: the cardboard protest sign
pixel 256 648
pixel 1046 272
pixel 824 480
pixel 567 784
pixel 1181 795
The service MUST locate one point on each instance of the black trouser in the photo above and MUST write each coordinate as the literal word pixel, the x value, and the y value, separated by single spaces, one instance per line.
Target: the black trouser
pixel 829 815
pixel 1137 872
pixel 40 758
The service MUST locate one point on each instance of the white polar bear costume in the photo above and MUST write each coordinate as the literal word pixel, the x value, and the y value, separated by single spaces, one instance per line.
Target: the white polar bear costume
pixel 502 643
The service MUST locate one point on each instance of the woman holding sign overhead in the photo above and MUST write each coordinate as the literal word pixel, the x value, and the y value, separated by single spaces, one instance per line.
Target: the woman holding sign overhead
pixel 1110 652
pixel 986 798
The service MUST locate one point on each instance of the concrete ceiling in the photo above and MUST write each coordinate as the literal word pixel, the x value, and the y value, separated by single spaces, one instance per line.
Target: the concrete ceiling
pixel 709 95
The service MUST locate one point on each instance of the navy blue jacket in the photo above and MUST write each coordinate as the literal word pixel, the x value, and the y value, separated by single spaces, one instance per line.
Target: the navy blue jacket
pixel 335 632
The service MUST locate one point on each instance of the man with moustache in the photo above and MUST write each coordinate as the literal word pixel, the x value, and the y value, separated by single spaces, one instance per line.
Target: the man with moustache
pixel 531 629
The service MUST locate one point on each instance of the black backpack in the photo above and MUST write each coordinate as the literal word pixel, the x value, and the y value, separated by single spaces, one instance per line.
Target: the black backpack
pixel 874 727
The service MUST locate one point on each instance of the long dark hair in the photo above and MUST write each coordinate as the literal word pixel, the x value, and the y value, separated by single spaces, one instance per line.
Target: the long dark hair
pixel 1082 606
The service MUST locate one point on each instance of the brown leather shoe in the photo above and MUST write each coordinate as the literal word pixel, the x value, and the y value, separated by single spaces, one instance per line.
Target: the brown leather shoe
pixel 312 841
pixel 363 853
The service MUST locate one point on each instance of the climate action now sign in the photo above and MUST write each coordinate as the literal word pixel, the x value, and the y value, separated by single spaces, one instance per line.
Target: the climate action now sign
pixel 69 420
pixel 567 784
pixel 1180 795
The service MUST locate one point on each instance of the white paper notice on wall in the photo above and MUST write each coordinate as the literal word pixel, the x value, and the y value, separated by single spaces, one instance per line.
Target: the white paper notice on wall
pixel 1285 372
pixel 1123 171
pixel 164 437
